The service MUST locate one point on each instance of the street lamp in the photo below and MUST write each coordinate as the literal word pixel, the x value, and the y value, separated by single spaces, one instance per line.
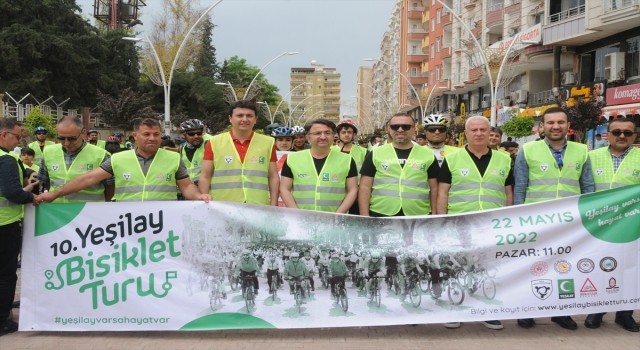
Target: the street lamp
pixel 313 116
pixel 294 108
pixel 228 84
pixel 268 109
pixel 246 93
pixel 405 78
pixel 285 97
pixel 166 84
pixel 379 94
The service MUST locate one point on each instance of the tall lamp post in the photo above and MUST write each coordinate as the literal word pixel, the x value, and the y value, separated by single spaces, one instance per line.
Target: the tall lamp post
pixel 294 108
pixel 246 93
pixel 275 112
pixel 228 84
pixel 379 94
pixel 365 101
pixel 268 110
pixel 166 84
pixel 405 78
pixel 313 116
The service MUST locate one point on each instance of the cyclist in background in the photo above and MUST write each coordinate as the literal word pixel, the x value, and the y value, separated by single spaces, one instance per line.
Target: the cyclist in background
pixel 248 266
pixel 337 272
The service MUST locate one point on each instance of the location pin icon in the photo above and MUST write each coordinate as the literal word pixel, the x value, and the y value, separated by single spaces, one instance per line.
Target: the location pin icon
pixel 48 274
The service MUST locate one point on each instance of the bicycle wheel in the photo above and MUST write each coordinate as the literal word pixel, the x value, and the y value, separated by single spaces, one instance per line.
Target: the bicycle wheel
pixel 396 284
pixel 461 277
pixel 325 282
pixel 233 283
pixel 414 295
pixel 248 298
pixel 378 297
pixel 424 283
pixel 274 288
pixel 489 288
pixel 298 297
pixel 455 292
pixel 344 302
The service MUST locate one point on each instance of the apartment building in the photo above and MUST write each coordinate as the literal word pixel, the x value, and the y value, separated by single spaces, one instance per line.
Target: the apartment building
pixel 367 119
pixel 319 96
pixel 386 84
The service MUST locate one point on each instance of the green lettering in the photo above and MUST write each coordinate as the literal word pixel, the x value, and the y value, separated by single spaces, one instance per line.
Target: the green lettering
pixel 171 240
pixel 157 247
pixel 74 269
pixel 105 267
pixel 528 220
pixel 94 291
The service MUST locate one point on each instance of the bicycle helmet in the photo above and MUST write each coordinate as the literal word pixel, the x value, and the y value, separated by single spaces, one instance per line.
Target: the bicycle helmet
pixel 282 131
pixel 335 255
pixel 191 124
pixel 435 119
pixel 375 255
pixel 91 131
pixel 246 252
pixel 347 123
pixel 363 138
pixel 295 255
pixel 298 130
pixel 269 128
pixel 118 134
pixel 39 129
pixel 113 139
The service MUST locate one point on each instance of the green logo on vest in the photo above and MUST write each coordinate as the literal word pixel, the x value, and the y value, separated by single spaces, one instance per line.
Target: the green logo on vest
pixel 325 176
pixel 578 166
pixel 195 163
pixel 502 173
pixel 89 167
pixel 168 177
pixel 423 167
pixel 261 160
pixel 636 173
pixel 609 215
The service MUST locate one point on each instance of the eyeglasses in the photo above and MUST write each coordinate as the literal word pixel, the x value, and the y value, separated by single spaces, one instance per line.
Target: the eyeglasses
pixel 441 129
pixel 627 133
pixel 320 133
pixel 19 137
pixel 70 139
pixel 558 157
pixel 192 134
pixel 404 127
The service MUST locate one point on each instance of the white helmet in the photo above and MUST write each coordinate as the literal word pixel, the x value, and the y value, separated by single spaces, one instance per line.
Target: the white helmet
pixel 435 119
pixel 298 130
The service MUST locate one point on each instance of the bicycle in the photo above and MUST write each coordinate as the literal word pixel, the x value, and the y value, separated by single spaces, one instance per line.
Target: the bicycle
pixel 359 279
pixel 247 292
pixel 215 297
pixel 324 276
pixel 473 282
pixel 455 291
pixel 412 288
pixel 234 281
pixel 275 285
pixel 375 294
pixel 297 293
pixel 341 295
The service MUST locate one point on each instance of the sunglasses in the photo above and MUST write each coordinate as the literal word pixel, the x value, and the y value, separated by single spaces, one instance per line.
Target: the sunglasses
pixel 19 137
pixel 41 133
pixel 70 139
pixel 627 133
pixel 442 129
pixel 404 127
pixel 192 134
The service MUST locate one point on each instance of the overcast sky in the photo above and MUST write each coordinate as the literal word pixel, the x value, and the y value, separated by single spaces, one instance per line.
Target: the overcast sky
pixel 337 33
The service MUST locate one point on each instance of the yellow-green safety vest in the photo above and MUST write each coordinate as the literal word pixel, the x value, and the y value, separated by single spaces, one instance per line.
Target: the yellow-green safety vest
pixel 132 185
pixel 10 212
pixel 194 166
pixel 36 148
pixel 89 158
pixel 357 153
pixel 628 172
pixel 101 144
pixel 324 192
pixel 546 180
pixel 469 190
pixel 236 181
pixel 396 187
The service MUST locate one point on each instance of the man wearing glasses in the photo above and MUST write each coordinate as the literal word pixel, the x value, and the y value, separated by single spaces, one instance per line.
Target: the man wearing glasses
pixel 435 127
pixel 616 166
pixel 12 200
pixel 192 151
pixel 550 169
pixel 318 178
pixel 400 178
pixel 71 158
pixel 40 143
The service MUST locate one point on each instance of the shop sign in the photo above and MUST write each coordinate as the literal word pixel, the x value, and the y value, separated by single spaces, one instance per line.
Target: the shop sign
pixel 623 95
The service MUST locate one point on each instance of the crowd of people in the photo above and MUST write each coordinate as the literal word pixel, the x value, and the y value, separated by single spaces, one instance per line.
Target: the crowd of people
pixel 403 174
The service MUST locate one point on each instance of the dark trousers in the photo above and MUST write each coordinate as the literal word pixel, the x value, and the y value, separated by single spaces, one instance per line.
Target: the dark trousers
pixel 244 274
pixel 270 275
pixel 10 244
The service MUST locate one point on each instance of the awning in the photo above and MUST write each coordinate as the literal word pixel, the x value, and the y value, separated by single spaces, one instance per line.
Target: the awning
pixel 621 110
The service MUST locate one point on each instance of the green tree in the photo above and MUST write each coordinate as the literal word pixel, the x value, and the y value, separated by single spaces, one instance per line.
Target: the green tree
pixel 518 127
pixel 120 112
pixel 206 63
pixel 584 115
pixel 36 118
pixel 237 71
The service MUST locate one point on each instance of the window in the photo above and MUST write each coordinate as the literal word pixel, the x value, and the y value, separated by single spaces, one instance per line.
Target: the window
pixel 414 28
pixel 537 18
pixel 414 72
pixel 458 71
pixel 459 37
pixel 431 77
pixel 599 56
pixel 415 6
pixel 438 16
pixel 414 49
pixel 438 44
pixel 632 58
pixel 433 25
pixel 432 52
pixel 438 73
pixel 433 2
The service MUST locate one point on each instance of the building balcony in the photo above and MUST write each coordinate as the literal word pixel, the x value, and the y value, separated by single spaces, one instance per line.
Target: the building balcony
pixel 536 50
pixel 624 13
pixel 495 16
pixel 332 88
pixel 445 20
pixel 514 7
pixel 474 74
pixel 425 20
pixel 541 98
pixel 424 68
pixel 425 45
pixel 417 34
pixel 416 57
pixel 331 96
pixel 444 85
pixel 445 53
pixel 415 12
pixel 418 80
pixel 469 5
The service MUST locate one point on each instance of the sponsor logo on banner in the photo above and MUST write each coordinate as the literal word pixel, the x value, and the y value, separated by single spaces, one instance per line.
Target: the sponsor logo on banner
pixel 613 287
pixel 562 267
pixel 464 172
pixel 126 176
pixel 542 289
pixel 228 159
pixel 544 166
pixel 325 176
pixel 586 265
pixel 588 289
pixel 539 268
pixel 566 289
pixel 608 264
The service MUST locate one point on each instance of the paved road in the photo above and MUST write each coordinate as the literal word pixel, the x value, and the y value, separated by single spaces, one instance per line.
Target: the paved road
pixel 545 335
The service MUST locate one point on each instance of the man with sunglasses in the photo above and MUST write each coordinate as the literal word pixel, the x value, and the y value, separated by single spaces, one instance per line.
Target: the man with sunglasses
pixel 12 200
pixel 192 151
pixel 40 143
pixel 616 166
pixel 435 127
pixel 550 169
pixel 92 138
pixel 71 158
pixel 399 179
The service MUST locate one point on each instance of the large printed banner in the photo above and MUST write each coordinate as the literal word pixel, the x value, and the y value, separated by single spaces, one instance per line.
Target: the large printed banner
pixel 158 265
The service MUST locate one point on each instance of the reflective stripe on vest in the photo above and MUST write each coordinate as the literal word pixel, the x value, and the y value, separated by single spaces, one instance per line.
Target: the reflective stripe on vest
pixel 605 178
pixel 324 192
pixel 10 212
pixel 37 159
pixel 236 181
pixel 132 185
pixel 395 187
pixel 546 180
pixel 89 158
pixel 194 166
pixel 469 190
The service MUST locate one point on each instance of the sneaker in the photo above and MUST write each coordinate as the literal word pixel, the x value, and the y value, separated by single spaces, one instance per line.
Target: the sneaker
pixel 313 289
pixel 8 326
pixel 493 324
pixel 224 296
pixel 452 325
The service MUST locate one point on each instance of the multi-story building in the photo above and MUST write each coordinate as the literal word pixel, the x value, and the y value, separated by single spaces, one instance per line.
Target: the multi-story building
pixel 367 118
pixel 386 82
pixel 318 97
